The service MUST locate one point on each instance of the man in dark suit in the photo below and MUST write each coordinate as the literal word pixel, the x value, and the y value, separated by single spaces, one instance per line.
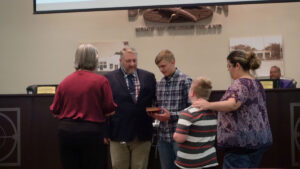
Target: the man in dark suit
pixel 275 73
pixel 130 129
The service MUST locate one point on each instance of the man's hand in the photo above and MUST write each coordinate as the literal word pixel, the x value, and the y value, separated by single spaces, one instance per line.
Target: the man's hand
pixel 151 114
pixel 165 116
pixel 106 140
pixel 110 114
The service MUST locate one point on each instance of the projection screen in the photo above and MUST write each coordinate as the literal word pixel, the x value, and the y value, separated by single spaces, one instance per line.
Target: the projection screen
pixel 53 6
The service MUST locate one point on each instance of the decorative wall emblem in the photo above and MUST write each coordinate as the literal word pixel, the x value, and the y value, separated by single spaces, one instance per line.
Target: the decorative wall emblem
pixel 10 146
pixel 178 14
pixel 295 132
pixel 172 15
pixel 178 19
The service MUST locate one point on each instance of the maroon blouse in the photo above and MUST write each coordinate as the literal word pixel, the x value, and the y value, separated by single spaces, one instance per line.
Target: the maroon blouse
pixel 83 95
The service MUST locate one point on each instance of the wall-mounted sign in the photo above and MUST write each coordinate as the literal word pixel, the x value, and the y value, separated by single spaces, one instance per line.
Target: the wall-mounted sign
pixel 212 28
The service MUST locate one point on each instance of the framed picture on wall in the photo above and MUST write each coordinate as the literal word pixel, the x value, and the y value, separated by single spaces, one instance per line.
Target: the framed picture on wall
pixel 109 55
pixel 268 49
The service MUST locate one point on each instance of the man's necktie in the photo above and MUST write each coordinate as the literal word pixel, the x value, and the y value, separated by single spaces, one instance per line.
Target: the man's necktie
pixel 131 86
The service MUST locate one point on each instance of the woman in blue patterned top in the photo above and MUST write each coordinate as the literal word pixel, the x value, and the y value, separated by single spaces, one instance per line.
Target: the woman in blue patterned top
pixel 243 127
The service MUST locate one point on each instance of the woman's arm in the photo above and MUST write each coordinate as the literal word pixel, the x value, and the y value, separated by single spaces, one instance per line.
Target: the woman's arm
pixel 221 106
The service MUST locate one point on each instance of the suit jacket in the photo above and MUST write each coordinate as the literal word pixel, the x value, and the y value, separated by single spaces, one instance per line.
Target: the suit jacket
pixel 286 83
pixel 131 119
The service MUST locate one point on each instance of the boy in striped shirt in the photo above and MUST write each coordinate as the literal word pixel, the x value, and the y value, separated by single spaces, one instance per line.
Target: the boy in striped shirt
pixel 196 131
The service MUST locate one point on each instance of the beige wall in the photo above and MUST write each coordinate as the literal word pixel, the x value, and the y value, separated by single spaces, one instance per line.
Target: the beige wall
pixel 39 49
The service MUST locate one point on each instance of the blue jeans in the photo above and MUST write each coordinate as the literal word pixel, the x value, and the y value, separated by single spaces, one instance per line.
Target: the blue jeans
pixel 167 154
pixel 243 159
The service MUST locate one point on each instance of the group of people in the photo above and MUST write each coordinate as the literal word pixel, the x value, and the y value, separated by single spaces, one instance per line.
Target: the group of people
pixel 95 110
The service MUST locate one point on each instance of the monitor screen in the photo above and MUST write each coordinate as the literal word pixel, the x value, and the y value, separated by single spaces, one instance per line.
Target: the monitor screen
pixel 52 6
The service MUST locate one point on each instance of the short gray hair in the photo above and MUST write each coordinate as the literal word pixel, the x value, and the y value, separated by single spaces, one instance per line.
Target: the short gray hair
pixel 86 57
pixel 127 49
pixel 276 67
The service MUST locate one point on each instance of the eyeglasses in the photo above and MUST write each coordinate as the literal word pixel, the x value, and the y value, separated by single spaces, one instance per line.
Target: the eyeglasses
pixel 229 66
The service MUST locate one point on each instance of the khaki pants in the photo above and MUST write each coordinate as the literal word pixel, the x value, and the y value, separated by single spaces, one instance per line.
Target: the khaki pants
pixel 132 154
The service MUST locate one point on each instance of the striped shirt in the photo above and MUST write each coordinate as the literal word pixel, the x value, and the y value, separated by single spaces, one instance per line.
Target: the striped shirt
pixel 198 150
pixel 172 94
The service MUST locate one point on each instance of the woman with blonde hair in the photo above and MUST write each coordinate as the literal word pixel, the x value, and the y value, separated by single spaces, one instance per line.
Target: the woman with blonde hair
pixel 243 132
